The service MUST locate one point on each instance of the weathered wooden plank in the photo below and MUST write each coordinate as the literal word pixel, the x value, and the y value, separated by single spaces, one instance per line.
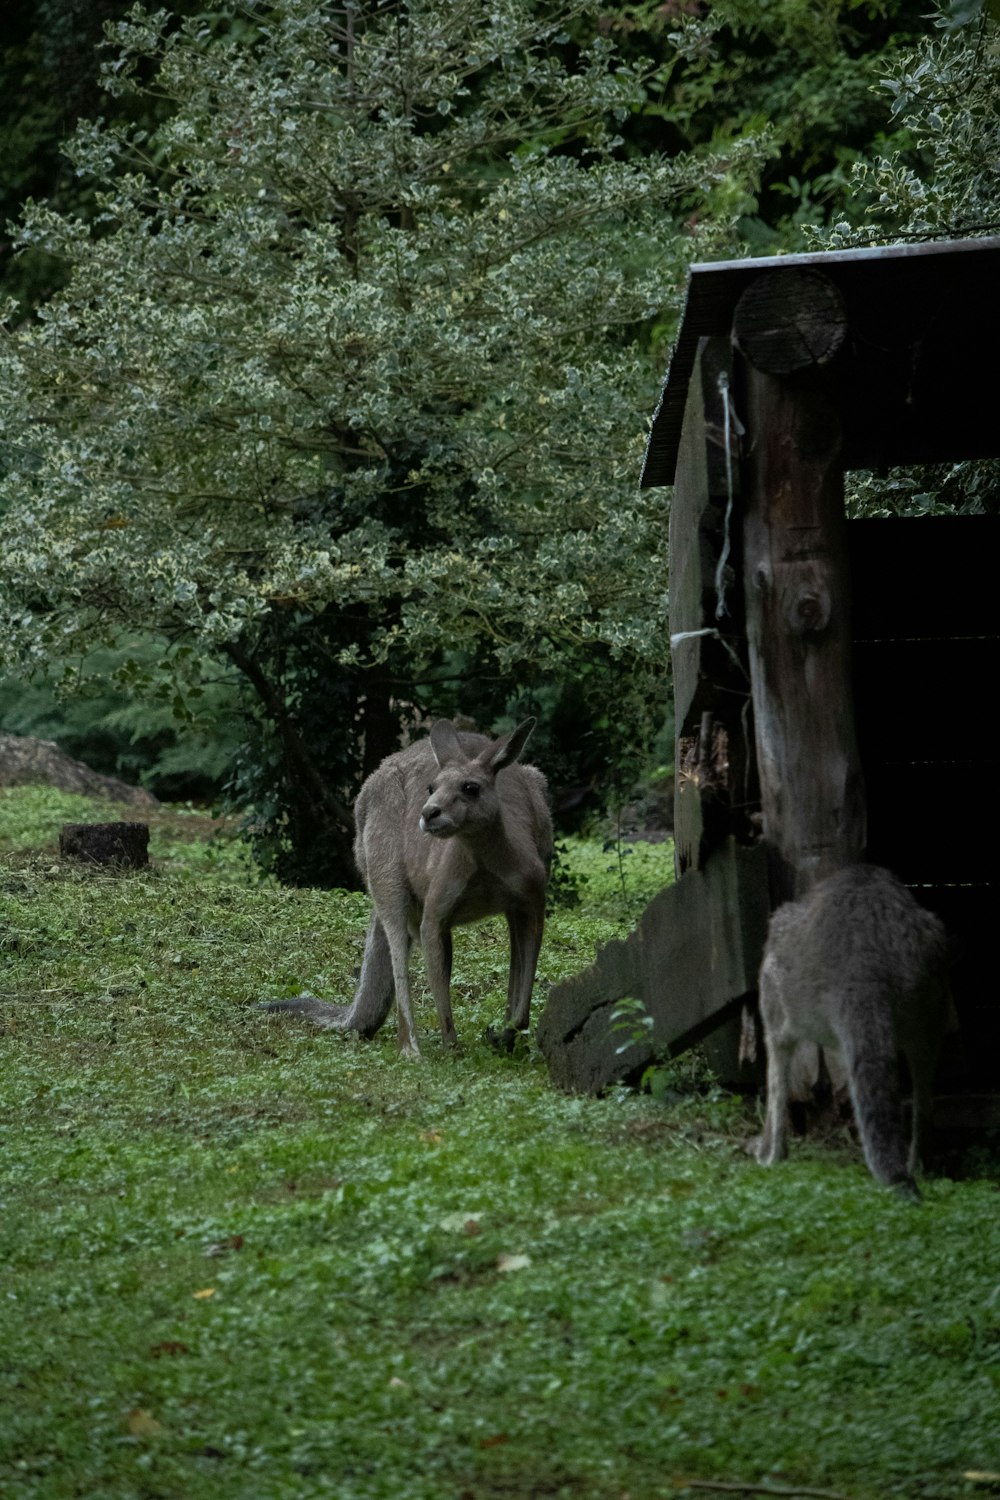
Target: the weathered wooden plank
pixel 925 776
pixel 697 520
pixel 797 593
pixel 710 682
pixel 692 957
pixel 969 913
pixel 920 316
pixel 966 1112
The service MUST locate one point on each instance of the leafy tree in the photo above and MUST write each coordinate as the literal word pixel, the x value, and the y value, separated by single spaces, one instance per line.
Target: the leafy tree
pixel 49 78
pixel 41 95
pixel 806 71
pixel 344 385
pixel 946 91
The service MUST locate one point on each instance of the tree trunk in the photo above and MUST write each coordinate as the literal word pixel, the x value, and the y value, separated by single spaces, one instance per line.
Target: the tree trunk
pixel 322 828
pixel 379 723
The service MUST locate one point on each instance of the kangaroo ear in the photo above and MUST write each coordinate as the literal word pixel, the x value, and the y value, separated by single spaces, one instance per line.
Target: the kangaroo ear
pixel 507 750
pixel 445 742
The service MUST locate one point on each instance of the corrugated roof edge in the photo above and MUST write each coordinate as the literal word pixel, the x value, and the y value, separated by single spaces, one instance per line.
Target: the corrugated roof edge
pixel 713 289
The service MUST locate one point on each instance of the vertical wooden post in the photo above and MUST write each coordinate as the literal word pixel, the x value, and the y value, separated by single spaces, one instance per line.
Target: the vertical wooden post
pixel 788 325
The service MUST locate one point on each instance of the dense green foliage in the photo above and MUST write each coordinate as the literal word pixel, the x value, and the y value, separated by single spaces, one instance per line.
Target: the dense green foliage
pixel 807 72
pixel 179 749
pixel 50 58
pixel 946 92
pixel 343 386
pixel 48 79
pixel 246 1258
pixel 363 319
pixel 343 397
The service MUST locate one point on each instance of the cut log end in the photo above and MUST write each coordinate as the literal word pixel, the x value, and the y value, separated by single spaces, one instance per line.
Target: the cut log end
pixel 790 320
pixel 123 845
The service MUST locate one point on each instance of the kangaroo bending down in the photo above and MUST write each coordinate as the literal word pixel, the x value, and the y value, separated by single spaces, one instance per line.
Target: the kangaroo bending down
pixel 448 831
pixel 858 965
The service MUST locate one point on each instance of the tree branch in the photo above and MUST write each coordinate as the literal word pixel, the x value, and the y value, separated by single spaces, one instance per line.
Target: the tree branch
pixel 312 783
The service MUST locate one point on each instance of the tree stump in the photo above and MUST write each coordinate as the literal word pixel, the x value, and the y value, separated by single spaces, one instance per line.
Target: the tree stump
pixel 125 845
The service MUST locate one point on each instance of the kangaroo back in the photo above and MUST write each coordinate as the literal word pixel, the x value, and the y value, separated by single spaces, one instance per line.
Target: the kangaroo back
pixel 860 965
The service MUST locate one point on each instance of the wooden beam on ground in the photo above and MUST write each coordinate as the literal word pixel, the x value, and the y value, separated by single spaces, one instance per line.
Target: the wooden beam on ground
pixel 691 959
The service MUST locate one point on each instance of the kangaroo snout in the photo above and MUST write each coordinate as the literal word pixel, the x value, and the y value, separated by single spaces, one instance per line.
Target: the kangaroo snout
pixel 435 821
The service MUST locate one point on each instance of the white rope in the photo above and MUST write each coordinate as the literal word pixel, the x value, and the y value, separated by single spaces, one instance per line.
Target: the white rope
pixel 716 635
pixel 729 421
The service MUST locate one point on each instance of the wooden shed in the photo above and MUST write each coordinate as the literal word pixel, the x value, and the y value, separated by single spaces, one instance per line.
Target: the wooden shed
pixel 833 678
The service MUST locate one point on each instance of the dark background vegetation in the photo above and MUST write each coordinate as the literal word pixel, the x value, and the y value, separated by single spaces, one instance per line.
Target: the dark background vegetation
pixel 288 733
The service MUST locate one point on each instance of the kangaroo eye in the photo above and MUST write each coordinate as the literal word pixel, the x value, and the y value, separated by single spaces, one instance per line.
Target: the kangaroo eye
pixel 430 789
pixel 470 788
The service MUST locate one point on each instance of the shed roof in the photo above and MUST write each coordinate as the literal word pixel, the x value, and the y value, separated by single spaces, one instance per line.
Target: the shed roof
pixel 916 379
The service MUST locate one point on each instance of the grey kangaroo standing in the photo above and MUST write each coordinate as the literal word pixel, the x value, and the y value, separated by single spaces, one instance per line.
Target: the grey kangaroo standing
pixel 858 965
pixel 448 831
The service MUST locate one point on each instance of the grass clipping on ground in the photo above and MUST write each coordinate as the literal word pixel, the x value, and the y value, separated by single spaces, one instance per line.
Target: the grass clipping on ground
pixel 245 1258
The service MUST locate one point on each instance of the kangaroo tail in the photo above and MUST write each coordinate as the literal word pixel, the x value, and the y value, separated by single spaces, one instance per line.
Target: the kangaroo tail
pixel 873 1078
pixel 372 1000
pixel 320 1012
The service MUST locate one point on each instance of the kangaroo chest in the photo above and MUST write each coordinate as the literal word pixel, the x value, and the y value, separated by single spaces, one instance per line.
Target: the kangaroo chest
pixel 459 890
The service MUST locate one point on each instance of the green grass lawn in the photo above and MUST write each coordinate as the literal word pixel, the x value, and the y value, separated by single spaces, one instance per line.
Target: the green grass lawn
pixel 245 1258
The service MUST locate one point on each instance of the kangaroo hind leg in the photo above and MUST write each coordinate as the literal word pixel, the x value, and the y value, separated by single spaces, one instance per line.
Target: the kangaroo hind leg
pixel 398 939
pixel 435 940
pixel 772 1144
pixel 524 926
